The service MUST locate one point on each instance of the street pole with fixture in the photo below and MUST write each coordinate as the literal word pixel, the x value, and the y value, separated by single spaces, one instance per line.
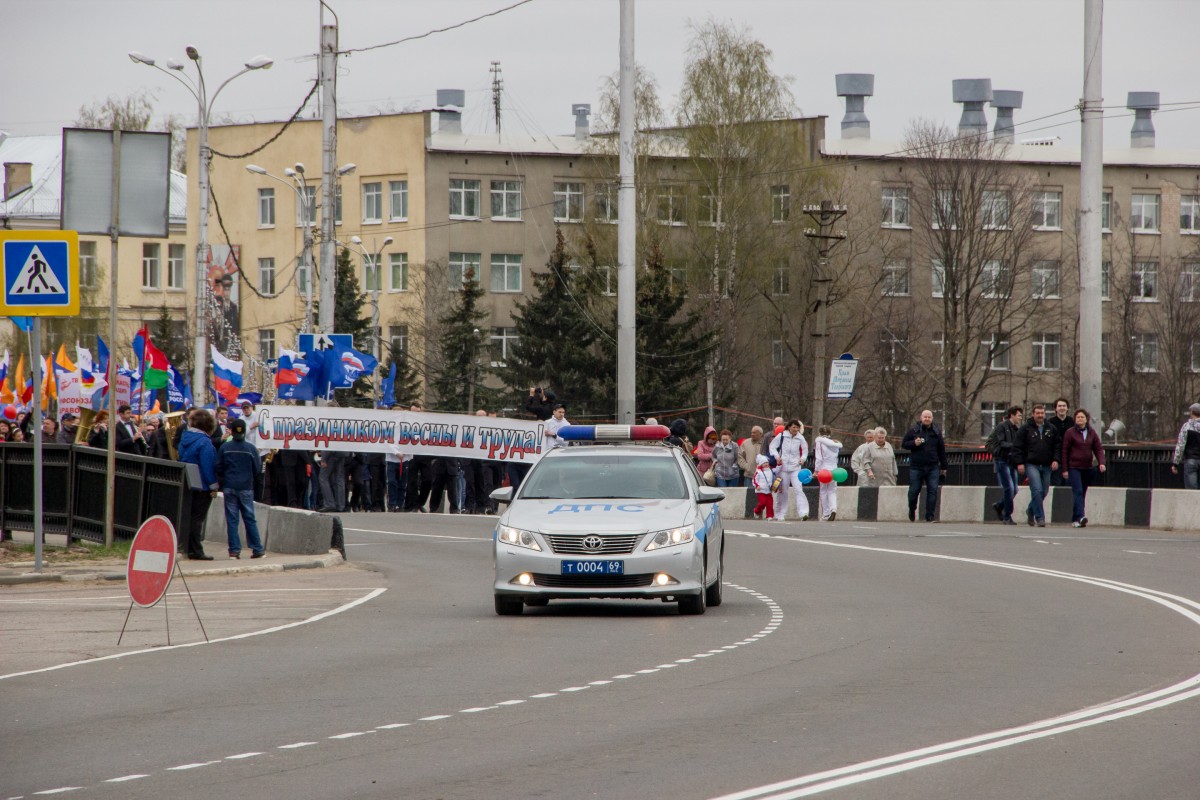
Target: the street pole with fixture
pixel 204 105
pixel 373 261
pixel 825 215
pixel 328 73
pixel 626 229
pixel 476 338
pixel 300 187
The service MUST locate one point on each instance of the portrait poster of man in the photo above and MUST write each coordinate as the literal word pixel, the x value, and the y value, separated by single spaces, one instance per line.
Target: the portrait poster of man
pixel 223 279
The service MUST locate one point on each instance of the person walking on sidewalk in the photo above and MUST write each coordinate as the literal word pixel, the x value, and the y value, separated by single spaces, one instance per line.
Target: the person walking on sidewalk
pixel 1000 444
pixel 1187 450
pixel 1080 450
pixel 238 466
pixel 825 456
pixel 1035 453
pixel 927 464
pixel 790 451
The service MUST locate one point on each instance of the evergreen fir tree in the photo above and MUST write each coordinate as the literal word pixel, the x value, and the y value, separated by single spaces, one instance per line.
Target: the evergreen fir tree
pixel 349 303
pixel 556 339
pixel 464 361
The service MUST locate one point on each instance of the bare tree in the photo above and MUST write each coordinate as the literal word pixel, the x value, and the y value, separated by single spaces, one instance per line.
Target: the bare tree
pixel 135 112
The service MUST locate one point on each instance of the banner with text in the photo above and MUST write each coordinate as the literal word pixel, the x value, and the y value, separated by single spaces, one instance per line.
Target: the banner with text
pixel 407 432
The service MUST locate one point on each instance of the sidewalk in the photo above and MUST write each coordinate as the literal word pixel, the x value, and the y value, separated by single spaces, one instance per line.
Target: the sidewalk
pixel 15 573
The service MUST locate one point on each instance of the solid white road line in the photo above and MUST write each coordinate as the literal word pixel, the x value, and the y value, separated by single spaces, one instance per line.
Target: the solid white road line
pixel 486 538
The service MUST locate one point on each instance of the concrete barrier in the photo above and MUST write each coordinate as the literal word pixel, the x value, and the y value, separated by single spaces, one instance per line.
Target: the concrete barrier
pixel 1175 509
pixel 734 504
pixel 893 504
pixel 967 503
pixel 294 530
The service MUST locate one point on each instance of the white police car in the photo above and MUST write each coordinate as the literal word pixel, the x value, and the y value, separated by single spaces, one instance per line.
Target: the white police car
pixel 618 520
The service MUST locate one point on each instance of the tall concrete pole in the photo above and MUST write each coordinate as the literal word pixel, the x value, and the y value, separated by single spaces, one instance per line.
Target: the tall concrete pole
pixel 1091 177
pixel 200 357
pixel 328 265
pixel 826 216
pixel 627 231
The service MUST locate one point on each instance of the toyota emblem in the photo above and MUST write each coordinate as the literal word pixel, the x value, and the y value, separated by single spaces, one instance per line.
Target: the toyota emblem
pixel 592 542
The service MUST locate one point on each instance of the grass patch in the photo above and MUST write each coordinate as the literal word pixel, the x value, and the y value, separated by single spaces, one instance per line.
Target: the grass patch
pixel 79 551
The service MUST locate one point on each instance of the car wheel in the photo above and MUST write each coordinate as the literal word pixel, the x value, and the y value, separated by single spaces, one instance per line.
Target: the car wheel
pixel 537 601
pixel 712 594
pixel 509 606
pixel 693 604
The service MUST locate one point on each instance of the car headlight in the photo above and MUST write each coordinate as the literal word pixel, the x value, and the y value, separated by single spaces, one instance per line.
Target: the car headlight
pixel 671 537
pixel 517 537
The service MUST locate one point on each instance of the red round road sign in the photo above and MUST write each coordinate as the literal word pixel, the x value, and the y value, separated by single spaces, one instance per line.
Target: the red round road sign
pixel 151 561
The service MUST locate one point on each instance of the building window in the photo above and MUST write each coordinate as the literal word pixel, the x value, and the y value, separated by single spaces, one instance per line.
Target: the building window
pixel 337 204
pixel 1145 282
pixel 1046 351
pixel 895 278
pixel 945 211
pixel 995 209
pixel 303 270
pixel 1195 355
pixel 150 266
pixel 266 343
pixel 939 347
pixel 266 276
pixel 399 272
pixel 782 283
pixel 938 275
pixel 370 274
pixel 503 341
pixel 996 279
pixel 1189 213
pixel 1046 279
pixel 1189 282
pixel 677 278
pixel 671 206
pixel 464 198
pixel 1047 210
pixel 992 414
pixel 608 279
pixel 1148 422
pixel 777 352
pixel 1106 280
pixel 372 202
pixel 87 264
pixel 895 207
pixel 893 352
pixel 1145 352
pixel 999 353
pixel 1105 354
pixel 606 202
pixel 1143 213
pixel 398 192
pixel 175 267
pixel 709 213
pixel 266 208
pixel 1106 202
pixel 398 339
pixel 506 199
pixel 309 205
pixel 781 203
pixel 463 267
pixel 568 202
pixel 506 272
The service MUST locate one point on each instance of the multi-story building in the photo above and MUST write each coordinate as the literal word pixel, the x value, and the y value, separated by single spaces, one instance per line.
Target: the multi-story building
pixel 153 280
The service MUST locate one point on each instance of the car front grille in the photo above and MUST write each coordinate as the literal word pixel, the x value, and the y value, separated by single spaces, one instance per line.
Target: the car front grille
pixel 591 581
pixel 611 545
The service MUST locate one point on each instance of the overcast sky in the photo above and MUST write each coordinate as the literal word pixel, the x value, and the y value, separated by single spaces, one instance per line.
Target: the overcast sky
pixel 61 54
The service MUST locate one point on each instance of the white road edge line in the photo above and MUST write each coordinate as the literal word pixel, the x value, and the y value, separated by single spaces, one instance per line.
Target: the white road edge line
pixel 124 778
pixel 422 535
pixel 316 618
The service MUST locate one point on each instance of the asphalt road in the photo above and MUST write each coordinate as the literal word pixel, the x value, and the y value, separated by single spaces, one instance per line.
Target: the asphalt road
pixel 866 661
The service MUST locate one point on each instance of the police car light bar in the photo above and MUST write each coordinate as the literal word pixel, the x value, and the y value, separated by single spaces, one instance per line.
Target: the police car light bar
pixel 613 433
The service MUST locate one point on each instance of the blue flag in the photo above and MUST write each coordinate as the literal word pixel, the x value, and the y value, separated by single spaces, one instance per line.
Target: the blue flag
pixel 297 375
pixel 345 365
pixel 101 356
pixel 388 389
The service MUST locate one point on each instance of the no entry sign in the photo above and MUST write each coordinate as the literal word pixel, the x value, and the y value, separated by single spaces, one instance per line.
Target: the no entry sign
pixel 151 561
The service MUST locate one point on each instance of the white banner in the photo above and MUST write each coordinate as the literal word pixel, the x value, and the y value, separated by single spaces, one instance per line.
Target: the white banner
pixel 407 432
pixel 70 393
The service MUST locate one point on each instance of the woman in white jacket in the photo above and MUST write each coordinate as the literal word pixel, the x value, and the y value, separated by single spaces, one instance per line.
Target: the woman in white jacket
pixel 790 452
pixel 825 456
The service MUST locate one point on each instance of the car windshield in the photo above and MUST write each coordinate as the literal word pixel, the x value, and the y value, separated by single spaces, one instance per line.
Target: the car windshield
pixel 605 477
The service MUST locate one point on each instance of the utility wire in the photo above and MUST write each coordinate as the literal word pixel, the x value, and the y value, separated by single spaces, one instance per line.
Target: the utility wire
pixel 435 30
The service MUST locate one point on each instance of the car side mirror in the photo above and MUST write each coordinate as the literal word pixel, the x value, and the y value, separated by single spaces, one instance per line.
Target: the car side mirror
pixel 708 494
pixel 502 495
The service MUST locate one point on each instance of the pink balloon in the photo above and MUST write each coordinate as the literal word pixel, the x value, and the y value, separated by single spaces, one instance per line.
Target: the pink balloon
pixel 824 476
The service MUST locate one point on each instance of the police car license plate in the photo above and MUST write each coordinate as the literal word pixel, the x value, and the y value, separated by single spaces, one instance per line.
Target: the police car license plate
pixel 593 567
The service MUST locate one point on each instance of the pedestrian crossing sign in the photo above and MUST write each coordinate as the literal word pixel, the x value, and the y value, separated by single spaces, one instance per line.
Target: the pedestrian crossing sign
pixel 41 273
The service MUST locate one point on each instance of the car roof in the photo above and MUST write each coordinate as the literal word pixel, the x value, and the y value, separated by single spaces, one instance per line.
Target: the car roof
pixel 597 450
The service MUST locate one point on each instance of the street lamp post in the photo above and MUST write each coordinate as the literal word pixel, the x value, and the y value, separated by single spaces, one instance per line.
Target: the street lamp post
pixel 204 107
pixel 377 282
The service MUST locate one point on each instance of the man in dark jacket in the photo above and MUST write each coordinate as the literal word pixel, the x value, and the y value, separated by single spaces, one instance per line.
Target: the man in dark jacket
pixel 129 437
pixel 1061 420
pixel 66 432
pixel 1000 444
pixel 238 467
pixel 927 463
pixel 1035 453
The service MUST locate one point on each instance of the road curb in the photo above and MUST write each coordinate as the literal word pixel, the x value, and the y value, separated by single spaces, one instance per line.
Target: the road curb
pixel 331 559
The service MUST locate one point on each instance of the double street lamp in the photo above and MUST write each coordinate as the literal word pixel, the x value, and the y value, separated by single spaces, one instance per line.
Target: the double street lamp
pixel 204 104
pixel 372 261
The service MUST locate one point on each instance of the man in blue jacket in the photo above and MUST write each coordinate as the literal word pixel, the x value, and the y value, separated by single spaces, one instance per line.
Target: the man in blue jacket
pixel 238 466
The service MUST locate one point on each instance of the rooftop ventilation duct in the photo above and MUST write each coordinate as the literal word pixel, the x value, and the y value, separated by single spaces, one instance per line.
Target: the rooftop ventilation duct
pixel 450 104
pixel 1143 104
pixel 582 129
pixel 972 93
pixel 856 88
pixel 1005 102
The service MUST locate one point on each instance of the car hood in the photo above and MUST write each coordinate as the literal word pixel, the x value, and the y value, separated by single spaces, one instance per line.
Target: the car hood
pixel 589 516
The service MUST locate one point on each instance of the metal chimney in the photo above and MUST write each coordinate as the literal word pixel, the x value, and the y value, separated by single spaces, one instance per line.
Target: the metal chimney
pixel 582 111
pixel 1005 101
pixel 856 88
pixel 1142 104
pixel 972 93
pixel 450 104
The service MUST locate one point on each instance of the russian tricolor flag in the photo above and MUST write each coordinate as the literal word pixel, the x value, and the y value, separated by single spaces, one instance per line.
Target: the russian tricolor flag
pixel 227 376
pixel 291 369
